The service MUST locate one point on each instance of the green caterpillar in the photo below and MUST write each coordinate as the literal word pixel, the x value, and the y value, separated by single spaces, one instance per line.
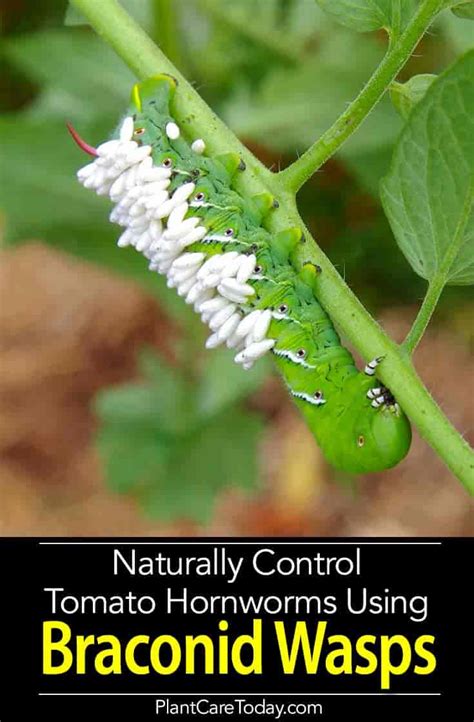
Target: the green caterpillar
pixel 180 209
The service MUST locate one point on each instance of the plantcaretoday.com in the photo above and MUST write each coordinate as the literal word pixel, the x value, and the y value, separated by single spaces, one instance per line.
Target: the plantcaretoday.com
pixel 165 706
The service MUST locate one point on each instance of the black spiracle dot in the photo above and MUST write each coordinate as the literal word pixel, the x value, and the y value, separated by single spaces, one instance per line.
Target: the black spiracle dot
pixel 167 163
pixel 283 308
pixel 301 353
pixel 361 441
pixel 199 196
pixel 318 395
pixel 258 269
pixel 229 232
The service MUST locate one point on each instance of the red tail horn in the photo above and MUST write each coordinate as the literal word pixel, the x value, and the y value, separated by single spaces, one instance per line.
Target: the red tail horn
pixel 81 143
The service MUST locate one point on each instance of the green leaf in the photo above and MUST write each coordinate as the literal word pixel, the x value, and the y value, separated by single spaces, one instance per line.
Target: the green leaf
pixel 428 192
pixel 174 446
pixel 94 81
pixel 405 96
pixel 74 16
pixel 161 403
pixel 464 10
pixel 367 15
pixel 223 382
pixel 39 189
pixel 133 460
pixel 257 20
pixel 457 32
pixel 246 44
pixel 222 454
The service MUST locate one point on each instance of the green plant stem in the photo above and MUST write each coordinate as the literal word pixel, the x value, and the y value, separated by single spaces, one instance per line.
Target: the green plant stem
pixel 165 30
pixel 143 57
pixel 399 52
pixel 440 278
pixel 396 22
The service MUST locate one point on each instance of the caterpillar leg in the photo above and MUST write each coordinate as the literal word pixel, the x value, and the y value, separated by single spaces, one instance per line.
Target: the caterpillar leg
pixel 381 396
pixel 284 243
pixel 232 162
pixel 372 365
pixel 264 203
pixel 309 274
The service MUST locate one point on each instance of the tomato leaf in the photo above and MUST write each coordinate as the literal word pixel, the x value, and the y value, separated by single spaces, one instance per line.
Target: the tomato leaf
pixel 428 193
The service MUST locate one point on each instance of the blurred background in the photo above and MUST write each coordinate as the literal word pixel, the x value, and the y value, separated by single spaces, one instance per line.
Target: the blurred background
pixel 114 420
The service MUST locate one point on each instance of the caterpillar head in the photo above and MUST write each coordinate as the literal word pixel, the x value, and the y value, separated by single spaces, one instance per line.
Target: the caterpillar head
pixel 153 93
pixel 150 106
pixel 361 438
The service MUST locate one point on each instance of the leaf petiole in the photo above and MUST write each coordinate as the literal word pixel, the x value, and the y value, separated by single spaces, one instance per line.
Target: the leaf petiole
pixel 438 282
